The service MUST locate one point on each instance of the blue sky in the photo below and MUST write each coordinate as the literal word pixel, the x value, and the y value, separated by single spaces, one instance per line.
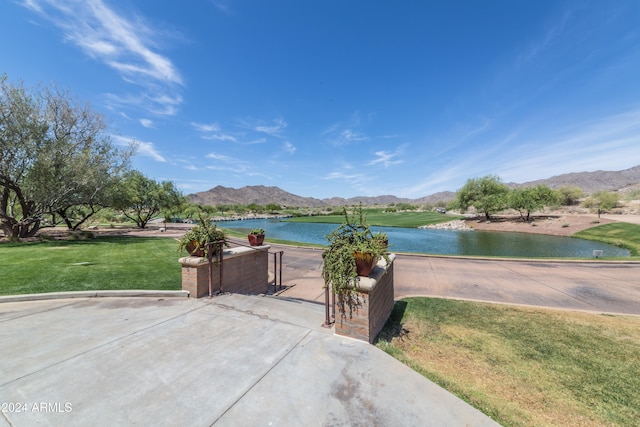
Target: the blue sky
pixel 344 98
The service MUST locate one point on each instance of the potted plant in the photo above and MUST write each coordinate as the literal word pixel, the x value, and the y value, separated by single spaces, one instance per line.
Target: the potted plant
pixel 351 245
pixel 256 237
pixel 196 240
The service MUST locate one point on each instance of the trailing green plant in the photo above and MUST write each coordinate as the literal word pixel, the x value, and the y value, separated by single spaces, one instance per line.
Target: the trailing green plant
pixel 200 235
pixel 339 259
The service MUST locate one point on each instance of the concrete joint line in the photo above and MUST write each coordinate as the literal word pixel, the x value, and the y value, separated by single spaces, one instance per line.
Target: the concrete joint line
pixel 6 417
pixel 251 313
pixel 37 312
pixel 284 356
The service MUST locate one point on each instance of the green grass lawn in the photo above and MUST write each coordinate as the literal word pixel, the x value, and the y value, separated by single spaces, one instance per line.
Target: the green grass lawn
pixel 385 219
pixel 523 366
pixel 620 234
pixel 103 263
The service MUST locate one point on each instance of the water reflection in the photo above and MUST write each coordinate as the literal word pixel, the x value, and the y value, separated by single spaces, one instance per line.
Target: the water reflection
pixel 443 242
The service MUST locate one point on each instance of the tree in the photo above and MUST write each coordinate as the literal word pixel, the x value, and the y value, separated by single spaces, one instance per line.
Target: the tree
pixel 406 206
pixel 273 207
pixel 487 195
pixel 254 207
pixel 141 198
pixel 602 201
pixel 569 195
pixel 531 199
pixel 54 153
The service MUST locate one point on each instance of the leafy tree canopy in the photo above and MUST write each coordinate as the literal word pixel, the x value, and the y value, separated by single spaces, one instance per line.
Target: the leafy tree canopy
pixel 141 199
pixel 55 153
pixel 487 195
pixel 602 201
pixel 531 199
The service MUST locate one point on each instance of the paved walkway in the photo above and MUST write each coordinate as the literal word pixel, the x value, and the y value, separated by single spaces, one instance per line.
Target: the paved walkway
pixel 602 287
pixel 232 360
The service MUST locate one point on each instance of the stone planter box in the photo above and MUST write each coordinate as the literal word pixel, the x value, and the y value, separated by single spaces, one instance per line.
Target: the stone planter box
pixel 245 271
pixel 376 294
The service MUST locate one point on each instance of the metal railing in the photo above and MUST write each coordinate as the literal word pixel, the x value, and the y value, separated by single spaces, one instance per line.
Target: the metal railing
pixel 329 307
pixel 218 255
pixel 215 250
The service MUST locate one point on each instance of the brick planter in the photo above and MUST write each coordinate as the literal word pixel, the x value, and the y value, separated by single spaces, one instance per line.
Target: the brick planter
pixel 376 294
pixel 245 271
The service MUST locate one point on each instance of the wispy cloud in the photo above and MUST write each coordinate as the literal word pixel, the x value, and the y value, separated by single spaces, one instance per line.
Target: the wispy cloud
pixel 224 162
pixel 351 177
pixel 548 37
pixel 206 127
pixel 349 131
pixel 142 147
pixel 274 128
pixel 220 137
pixel 213 132
pixel 147 123
pixel 354 179
pixel 345 136
pixel 585 146
pixel 386 158
pixel 289 147
pixel 125 44
pixel 223 6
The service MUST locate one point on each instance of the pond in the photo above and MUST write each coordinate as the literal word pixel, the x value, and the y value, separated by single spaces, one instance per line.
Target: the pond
pixel 442 242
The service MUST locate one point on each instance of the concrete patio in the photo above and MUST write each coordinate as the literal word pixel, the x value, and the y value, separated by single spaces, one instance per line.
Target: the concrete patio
pixel 229 360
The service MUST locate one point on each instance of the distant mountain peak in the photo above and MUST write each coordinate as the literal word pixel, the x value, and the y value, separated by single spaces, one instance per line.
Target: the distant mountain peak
pixel 264 195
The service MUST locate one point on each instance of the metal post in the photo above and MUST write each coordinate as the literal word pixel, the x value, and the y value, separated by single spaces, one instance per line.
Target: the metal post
pixel 333 305
pixel 219 245
pixel 210 259
pixel 275 272
pixel 327 320
pixel 280 270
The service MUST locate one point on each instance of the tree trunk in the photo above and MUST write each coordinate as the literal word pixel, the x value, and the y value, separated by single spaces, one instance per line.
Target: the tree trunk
pixel 17 230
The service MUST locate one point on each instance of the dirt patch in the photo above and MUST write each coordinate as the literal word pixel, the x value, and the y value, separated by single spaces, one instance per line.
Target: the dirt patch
pixel 558 225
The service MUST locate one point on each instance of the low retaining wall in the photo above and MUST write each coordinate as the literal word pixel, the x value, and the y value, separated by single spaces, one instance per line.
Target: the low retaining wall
pixel 376 296
pixel 244 271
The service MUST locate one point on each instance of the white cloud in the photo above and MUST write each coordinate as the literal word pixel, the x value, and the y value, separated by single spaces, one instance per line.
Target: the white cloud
pixel 125 44
pixel 347 132
pixel 225 162
pixel 143 148
pixel 386 158
pixel 220 137
pixel 212 131
pixel 289 147
pixel 275 129
pixel 359 181
pixel 206 127
pixel 148 149
pixel 609 143
pixel 223 6
pixel 147 123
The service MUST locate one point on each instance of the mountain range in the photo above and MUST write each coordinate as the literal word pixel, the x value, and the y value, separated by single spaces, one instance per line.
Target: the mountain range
pixel 263 195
